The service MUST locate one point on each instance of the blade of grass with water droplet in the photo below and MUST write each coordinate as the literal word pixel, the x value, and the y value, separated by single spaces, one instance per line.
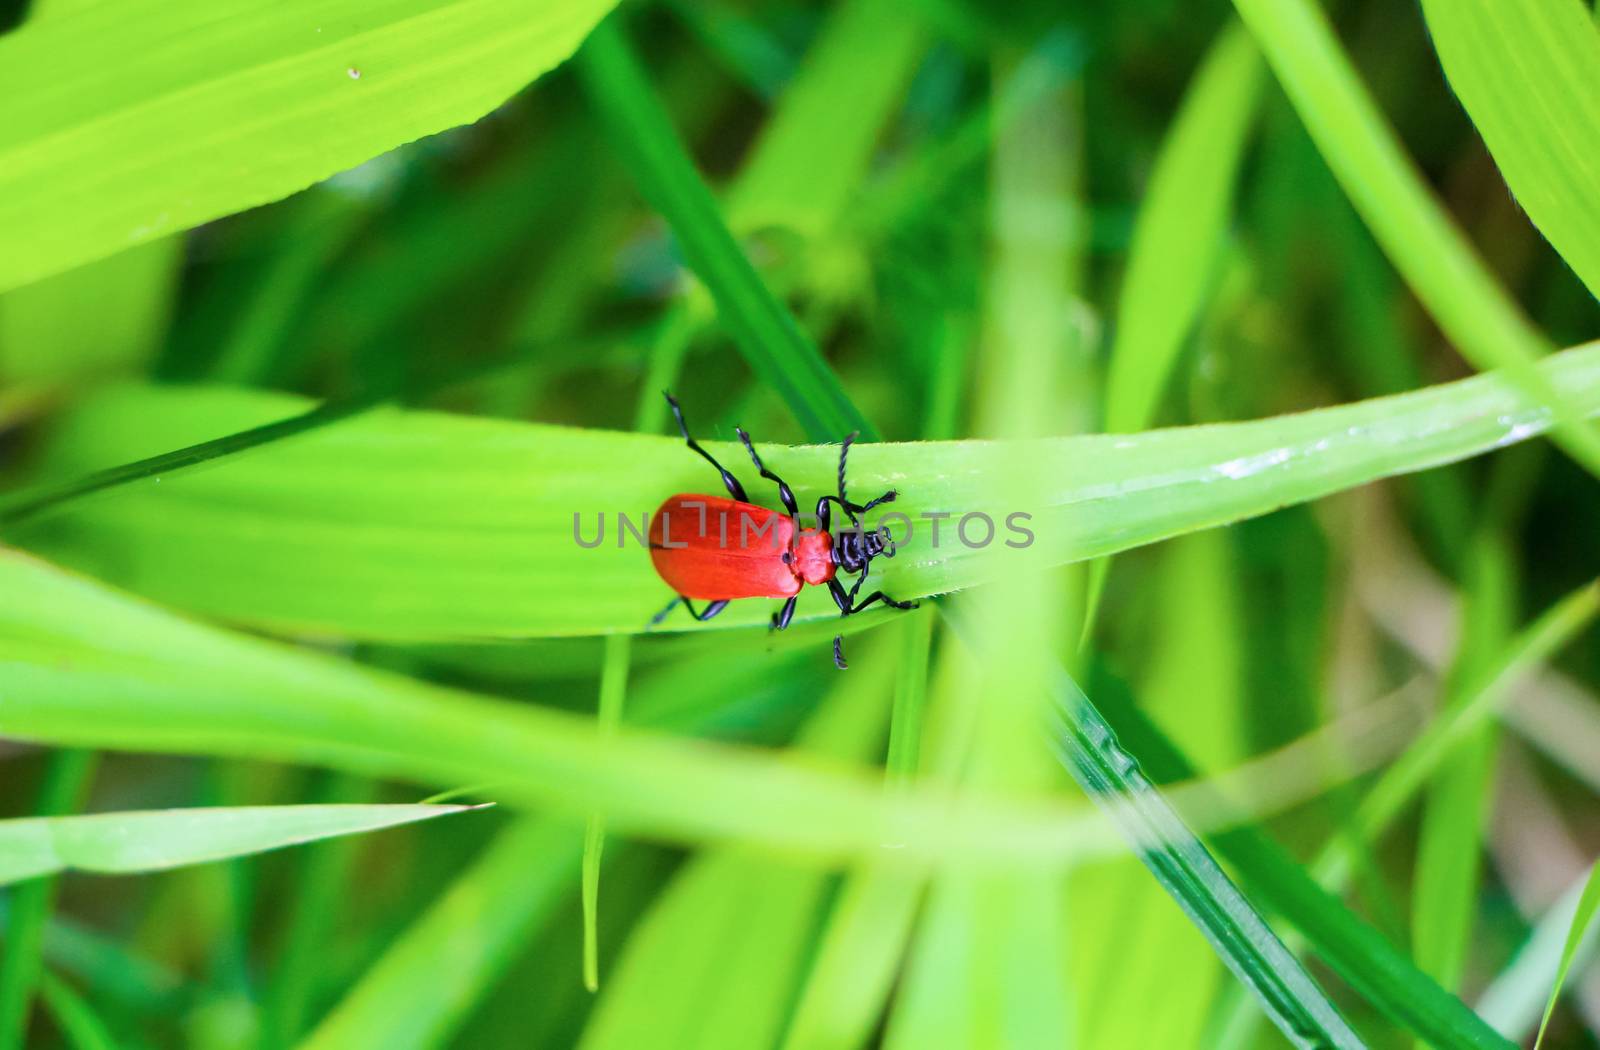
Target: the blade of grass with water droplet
pixel 424 526
pixel 1420 238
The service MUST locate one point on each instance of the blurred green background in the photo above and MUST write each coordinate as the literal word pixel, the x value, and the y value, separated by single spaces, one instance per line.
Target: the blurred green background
pixel 289 460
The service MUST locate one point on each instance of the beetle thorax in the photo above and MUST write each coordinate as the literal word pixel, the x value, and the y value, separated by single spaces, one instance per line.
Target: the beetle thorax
pixel 813 557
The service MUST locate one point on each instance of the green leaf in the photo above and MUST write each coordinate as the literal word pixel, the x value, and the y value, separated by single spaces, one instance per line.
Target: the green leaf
pixel 872 916
pixel 416 525
pixel 846 90
pixel 1525 71
pixel 1587 904
pixel 613 688
pixel 1188 872
pixel 729 912
pixel 132 120
pixel 1450 840
pixel 155 840
pixel 1178 234
pixel 1177 242
pixel 66 782
pixel 312 913
pixel 1352 948
pixel 75 1017
pixel 858 955
pixel 423 986
pixel 1422 241
pixel 1481 698
pixel 519 884
pixel 772 341
pixel 733 910
pixel 47 338
pixel 83 665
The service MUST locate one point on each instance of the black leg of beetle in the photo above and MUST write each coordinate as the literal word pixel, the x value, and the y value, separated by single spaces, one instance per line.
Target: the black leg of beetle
pixel 840 597
pixel 887 497
pixel 824 515
pixel 785 494
pixel 838 653
pixel 879 596
pixel 664 613
pixel 855 588
pixel 781 618
pixel 735 489
pixel 712 608
pixel 848 509
pixel 703 615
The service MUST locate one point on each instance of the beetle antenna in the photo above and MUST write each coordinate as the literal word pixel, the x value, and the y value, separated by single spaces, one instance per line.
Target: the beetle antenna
pixel 844 451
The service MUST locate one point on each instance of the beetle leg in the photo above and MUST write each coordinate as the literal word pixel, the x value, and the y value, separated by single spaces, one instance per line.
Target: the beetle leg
pixel 879 596
pixel 711 609
pixel 703 615
pixel 785 494
pixel 848 508
pixel 840 597
pixel 846 601
pixel 662 615
pixel 887 497
pixel 735 489
pixel 781 618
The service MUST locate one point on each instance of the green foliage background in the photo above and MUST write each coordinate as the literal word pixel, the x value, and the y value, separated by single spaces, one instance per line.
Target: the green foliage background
pixel 320 323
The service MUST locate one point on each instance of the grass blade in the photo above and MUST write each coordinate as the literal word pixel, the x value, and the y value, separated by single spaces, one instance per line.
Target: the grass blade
pixel 1300 1009
pixel 48 340
pixel 1524 70
pixel 613 687
pixel 66 782
pixel 1450 841
pixel 1535 644
pixel 85 666
pixel 477 516
pixel 733 911
pixel 769 337
pixel 844 94
pixel 77 1020
pixel 1587 904
pixel 865 935
pixel 123 124
pixel 1426 246
pixel 515 888
pixel 1353 949
pixel 408 1001
pixel 1178 234
pixel 324 882
pixel 155 840
pixel 1088 747
pixel 1518 995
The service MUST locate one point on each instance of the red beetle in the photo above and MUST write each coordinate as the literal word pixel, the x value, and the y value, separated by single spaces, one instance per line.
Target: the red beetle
pixel 716 549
